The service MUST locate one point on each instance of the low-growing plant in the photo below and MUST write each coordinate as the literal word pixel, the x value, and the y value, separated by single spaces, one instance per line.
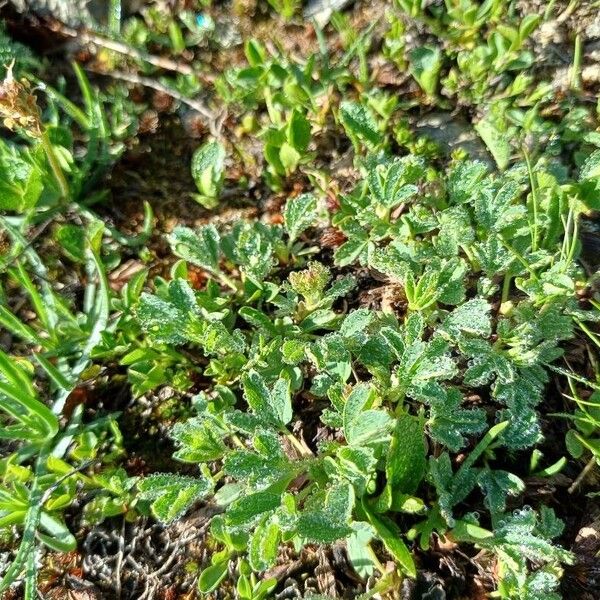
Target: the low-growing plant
pixel 387 390
pixel 208 172
pixel 43 476
pixel 388 383
pixel 285 8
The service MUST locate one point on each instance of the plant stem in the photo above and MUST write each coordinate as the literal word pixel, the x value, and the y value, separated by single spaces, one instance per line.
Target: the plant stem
pixel 593 336
pixel 506 287
pixel 57 171
pixel 227 281
pixel 588 467
pixel 534 203
pixel 303 449
pixel 575 79
pixel 376 561
pixel 549 9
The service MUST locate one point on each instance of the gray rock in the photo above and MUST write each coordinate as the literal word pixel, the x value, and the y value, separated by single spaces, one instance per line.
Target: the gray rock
pixel 321 10
pixel 453 132
pixel 74 13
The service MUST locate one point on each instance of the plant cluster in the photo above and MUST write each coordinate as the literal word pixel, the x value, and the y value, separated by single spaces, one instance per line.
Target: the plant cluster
pixel 372 365
pixel 390 385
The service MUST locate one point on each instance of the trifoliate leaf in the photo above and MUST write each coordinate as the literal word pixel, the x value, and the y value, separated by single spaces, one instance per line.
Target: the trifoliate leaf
pixel 272 405
pixel 198 440
pixel 199 247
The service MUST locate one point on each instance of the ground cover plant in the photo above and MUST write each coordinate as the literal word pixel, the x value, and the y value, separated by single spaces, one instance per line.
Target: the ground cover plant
pixel 297 303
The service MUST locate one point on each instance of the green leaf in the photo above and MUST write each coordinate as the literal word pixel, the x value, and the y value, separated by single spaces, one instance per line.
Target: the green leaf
pixel 449 423
pixel 471 318
pixel 591 166
pixel 272 405
pixel 21 180
pixel 425 65
pixel 199 247
pixel 406 464
pixel 259 468
pixel 251 246
pixel 255 53
pixel 356 322
pixel 299 214
pixel 359 123
pixel 357 465
pixel 172 320
pixel 246 509
pixel 361 425
pixel 73 241
pixel 293 351
pixel 391 536
pixel 518 533
pixel 208 172
pixel 259 320
pixel 497 141
pixel 198 440
pixel 263 546
pixel 170 495
pixel 298 131
pixel 351 251
pixel 331 522
pixel 464 180
pixel 57 536
pixel 289 157
pixel 359 552
pixel 372 427
pixel 497 486
pixel 212 576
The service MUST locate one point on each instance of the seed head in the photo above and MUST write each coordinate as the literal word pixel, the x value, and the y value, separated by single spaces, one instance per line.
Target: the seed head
pixel 18 106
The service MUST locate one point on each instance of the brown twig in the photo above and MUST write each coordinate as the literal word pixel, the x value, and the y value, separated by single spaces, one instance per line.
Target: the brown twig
pixel 119 562
pixel 215 121
pixel 84 36
pixel 588 467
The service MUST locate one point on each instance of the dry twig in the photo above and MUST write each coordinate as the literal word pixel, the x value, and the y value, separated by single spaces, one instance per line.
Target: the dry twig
pixel 214 121
pixel 89 37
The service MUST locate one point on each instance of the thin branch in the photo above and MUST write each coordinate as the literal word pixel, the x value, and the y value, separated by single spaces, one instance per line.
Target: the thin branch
pixel 584 473
pixel 119 564
pixel 88 37
pixel 214 121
